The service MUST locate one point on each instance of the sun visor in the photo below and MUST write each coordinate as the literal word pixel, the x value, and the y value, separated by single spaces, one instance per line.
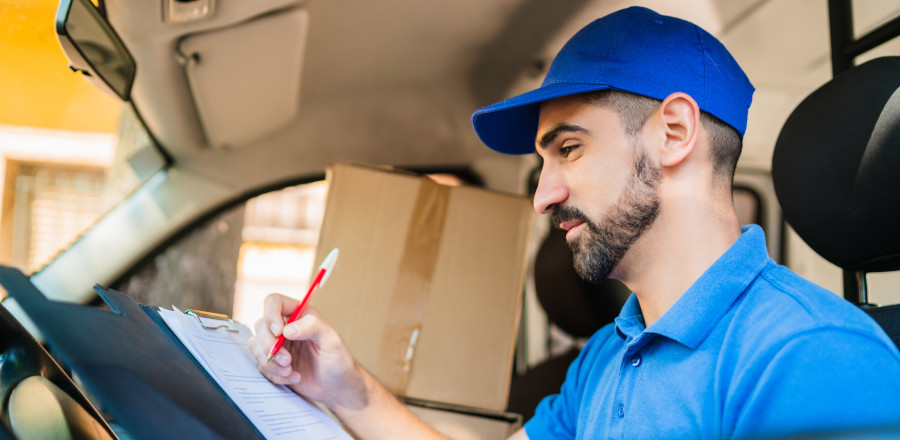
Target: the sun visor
pixel 245 79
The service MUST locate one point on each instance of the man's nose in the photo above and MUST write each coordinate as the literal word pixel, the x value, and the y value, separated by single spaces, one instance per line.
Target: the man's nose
pixel 550 192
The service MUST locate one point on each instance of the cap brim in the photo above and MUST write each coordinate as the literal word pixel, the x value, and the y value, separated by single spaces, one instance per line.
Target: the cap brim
pixel 510 126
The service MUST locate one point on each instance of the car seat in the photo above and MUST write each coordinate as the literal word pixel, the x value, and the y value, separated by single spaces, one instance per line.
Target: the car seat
pixel 836 172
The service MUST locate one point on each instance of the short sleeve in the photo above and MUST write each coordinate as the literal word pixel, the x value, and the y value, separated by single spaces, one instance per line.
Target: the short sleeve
pixel 556 416
pixel 824 382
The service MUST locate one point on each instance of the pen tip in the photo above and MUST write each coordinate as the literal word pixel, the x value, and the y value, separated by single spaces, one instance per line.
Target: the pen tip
pixel 269 357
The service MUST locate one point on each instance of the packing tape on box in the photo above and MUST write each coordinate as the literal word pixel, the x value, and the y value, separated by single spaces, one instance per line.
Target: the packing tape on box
pixel 410 296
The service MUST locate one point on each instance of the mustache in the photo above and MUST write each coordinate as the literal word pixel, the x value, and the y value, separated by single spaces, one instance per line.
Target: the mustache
pixel 564 213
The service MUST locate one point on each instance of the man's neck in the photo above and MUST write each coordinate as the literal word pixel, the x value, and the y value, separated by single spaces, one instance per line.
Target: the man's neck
pixel 674 253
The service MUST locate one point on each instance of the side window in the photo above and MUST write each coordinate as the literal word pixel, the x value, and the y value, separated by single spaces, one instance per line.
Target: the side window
pixel 231 261
pixel 278 245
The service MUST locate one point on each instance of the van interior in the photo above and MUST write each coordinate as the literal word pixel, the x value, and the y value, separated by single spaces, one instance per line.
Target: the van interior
pixel 229 113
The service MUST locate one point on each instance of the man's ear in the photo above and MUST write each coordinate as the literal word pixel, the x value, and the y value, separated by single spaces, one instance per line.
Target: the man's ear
pixel 680 115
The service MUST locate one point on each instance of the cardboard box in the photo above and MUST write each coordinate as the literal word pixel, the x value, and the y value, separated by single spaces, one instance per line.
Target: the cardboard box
pixel 427 291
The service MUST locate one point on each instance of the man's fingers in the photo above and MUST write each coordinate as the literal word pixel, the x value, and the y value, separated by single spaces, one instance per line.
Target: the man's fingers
pixel 278 369
pixel 275 308
pixel 262 333
pixel 308 327
pixel 279 372
pixel 289 379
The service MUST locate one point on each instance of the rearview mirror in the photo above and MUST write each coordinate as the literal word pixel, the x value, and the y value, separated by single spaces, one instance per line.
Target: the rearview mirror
pixel 93 47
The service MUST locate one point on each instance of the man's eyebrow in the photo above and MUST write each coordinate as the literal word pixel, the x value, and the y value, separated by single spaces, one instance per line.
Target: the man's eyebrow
pixel 549 136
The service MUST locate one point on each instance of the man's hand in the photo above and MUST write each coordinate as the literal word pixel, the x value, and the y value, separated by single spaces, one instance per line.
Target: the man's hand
pixel 313 361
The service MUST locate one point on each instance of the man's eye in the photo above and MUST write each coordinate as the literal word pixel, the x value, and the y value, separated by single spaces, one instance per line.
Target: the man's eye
pixel 567 150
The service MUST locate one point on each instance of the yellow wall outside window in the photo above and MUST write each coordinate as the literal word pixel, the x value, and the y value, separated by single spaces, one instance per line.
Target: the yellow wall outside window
pixel 37 89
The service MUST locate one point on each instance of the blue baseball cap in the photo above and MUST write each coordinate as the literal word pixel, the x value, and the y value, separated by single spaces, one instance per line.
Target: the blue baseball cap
pixel 633 50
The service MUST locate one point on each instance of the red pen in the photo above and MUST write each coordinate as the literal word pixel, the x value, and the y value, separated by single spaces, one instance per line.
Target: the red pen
pixel 321 276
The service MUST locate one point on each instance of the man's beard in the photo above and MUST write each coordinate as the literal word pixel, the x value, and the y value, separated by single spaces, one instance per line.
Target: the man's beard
pixel 601 246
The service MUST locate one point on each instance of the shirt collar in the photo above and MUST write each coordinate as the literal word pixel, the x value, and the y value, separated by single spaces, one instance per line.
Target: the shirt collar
pixel 630 322
pixel 690 320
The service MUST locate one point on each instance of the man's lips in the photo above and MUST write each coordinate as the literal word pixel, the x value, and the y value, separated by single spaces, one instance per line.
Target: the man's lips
pixel 571 224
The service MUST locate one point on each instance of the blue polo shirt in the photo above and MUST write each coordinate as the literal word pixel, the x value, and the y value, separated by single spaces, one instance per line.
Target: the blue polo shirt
pixel 751 350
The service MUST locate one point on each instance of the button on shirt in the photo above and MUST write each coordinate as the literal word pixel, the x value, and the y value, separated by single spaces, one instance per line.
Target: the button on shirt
pixel 751 350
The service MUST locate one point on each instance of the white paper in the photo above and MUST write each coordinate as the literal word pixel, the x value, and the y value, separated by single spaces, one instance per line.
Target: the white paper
pixel 275 410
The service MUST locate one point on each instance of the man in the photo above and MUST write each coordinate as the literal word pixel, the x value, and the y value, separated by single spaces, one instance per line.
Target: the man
pixel 639 124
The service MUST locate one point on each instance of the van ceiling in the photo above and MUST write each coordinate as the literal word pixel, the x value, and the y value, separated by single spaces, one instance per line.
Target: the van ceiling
pixel 395 81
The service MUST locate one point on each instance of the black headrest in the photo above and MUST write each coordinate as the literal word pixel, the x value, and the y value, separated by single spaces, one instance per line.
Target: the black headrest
pixel 836 168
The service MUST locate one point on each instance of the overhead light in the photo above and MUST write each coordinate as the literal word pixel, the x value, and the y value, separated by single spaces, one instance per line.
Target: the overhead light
pixel 183 11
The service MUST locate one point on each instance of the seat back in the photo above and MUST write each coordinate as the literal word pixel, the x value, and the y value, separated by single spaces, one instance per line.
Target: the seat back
pixel 836 172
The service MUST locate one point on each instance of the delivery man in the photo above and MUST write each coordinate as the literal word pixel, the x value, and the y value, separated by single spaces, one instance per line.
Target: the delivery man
pixel 639 123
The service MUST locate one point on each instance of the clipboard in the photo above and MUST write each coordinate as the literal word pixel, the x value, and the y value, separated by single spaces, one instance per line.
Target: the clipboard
pixel 221 347
pixel 212 321
pixel 131 363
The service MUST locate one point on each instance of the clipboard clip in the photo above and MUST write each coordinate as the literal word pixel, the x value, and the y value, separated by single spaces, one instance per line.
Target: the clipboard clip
pixel 212 321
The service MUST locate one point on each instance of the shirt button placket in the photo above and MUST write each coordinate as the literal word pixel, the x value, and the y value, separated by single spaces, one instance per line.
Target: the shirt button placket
pixel 625 387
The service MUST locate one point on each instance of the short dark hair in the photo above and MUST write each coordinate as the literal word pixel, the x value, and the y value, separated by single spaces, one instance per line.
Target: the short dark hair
pixel 634 110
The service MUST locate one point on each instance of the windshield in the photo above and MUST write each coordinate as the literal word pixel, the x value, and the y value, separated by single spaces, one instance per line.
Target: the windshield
pixel 67 150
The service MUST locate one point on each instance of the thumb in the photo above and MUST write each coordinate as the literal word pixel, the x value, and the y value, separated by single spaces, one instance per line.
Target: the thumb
pixel 308 327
